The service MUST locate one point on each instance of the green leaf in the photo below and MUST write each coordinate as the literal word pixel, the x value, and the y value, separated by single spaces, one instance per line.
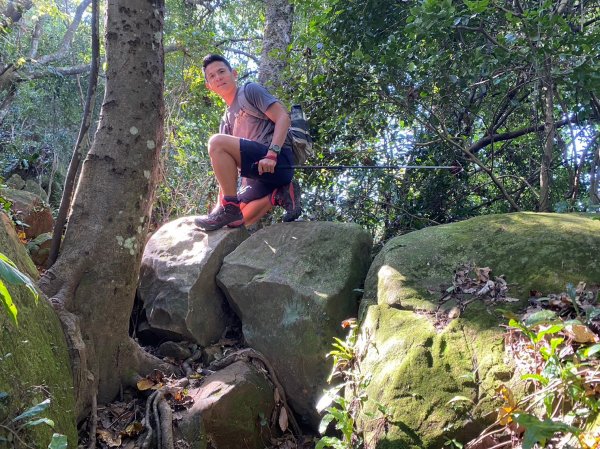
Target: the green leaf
pixel 33 411
pixel 39 421
pixel 537 431
pixel 551 330
pixel 11 274
pixel 325 423
pixel 477 6
pixel 59 441
pixel 589 351
pixel 10 307
pixel 328 442
pixel 541 379
pixel 543 316
pixel 459 398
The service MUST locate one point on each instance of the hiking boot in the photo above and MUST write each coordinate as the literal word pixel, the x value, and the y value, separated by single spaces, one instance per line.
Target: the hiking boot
pixel 288 197
pixel 228 214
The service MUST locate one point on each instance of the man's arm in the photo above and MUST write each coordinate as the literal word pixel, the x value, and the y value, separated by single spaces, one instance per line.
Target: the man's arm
pixel 278 114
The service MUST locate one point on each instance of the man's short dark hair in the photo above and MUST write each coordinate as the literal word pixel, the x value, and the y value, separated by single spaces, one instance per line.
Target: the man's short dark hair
pixel 209 59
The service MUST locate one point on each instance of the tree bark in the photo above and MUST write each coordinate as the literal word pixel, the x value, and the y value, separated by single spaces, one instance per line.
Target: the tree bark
pixel 277 37
pixel 93 283
pixel 550 130
pixel 595 178
pixel 65 202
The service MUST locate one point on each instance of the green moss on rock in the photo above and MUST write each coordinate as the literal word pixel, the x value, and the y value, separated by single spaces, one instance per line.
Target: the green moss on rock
pixel 34 360
pixel 417 367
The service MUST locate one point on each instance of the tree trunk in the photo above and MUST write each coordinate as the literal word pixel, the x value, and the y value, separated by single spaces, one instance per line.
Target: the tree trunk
pixel 93 282
pixel 549 132
pixel 67 195
pixel 277 37
pixel 595 178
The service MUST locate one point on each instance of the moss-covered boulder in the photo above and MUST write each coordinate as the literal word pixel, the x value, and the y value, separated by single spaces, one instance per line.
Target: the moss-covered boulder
pixel 292 284
pixel 34 361
pixel 421 360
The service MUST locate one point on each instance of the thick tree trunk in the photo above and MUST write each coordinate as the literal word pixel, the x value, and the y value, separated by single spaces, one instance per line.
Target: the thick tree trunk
pixel 94 280
pixel 277 37
pixel 550 130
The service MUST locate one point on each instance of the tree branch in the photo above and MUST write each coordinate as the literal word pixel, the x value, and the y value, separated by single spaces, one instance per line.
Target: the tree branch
pixel 484 142
pixel 243 53
pixel 485 33
pixel 68 37
pixel 35 38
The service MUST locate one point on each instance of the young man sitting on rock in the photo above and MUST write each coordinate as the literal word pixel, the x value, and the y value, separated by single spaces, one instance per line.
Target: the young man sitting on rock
pixel 258 147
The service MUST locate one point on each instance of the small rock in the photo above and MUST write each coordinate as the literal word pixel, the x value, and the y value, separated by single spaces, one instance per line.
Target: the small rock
pixel 177 351
pixel 39 248
pixel 211 353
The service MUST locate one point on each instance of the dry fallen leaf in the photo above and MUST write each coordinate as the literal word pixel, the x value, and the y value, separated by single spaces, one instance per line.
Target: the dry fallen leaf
pixel 107 437
pixel 133 429
pixel 483 274
pixel 283 420
pixel 581 333
pixel 589 441
pixel 145 384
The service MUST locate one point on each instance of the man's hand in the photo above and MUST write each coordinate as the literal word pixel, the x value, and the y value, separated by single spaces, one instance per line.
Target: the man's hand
pixel 266 165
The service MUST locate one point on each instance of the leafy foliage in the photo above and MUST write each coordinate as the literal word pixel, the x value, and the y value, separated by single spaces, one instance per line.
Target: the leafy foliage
pixel 30 418
pixel 414 82
pixel 559 359
pixel 344 403
pixel 11 274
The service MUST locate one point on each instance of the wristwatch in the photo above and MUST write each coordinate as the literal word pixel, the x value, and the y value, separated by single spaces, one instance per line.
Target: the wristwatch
pixel 275 148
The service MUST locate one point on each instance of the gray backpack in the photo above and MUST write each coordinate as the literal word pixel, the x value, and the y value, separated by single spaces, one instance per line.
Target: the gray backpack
pixel 302 144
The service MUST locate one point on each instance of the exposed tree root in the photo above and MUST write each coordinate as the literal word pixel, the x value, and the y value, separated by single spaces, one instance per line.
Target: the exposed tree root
pixel 83 378
pixel 246 355
pixel 159 410
pixel 93 422
pixel 187 364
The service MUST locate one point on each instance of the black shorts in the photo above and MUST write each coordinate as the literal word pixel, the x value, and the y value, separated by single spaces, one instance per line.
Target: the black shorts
pixel 258 186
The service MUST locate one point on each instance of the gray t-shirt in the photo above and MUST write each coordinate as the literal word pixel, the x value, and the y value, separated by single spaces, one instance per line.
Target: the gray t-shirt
pixel 239 123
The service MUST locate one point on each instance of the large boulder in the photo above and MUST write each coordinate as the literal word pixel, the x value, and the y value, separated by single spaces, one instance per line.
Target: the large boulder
pixel 30 209
pixel 232 409
pixel 177 281
pixel 421 357
pixel 291 285
pixel 34 359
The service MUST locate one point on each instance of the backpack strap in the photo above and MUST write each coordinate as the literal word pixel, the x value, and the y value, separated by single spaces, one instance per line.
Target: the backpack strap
pixel 247 106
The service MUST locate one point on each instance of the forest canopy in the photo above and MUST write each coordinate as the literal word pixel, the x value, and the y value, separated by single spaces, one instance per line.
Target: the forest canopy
pixel 507 89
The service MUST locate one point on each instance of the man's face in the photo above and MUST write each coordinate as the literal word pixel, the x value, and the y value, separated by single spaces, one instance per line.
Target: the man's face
pixel 220 79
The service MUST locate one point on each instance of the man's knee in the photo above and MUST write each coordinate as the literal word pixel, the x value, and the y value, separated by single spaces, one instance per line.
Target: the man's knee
pixel 220 142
